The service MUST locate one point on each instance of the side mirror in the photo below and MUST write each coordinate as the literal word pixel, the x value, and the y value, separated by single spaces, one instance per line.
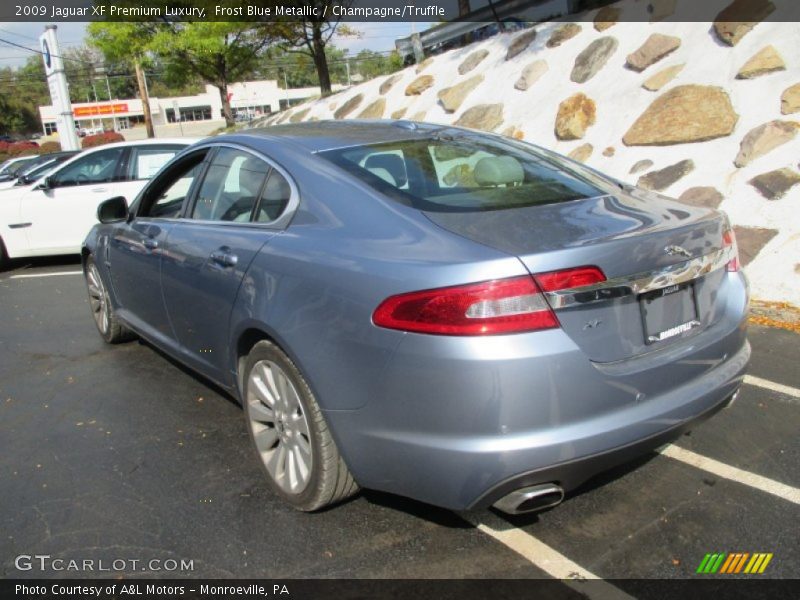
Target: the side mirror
pixel 45 185
pixel 113 210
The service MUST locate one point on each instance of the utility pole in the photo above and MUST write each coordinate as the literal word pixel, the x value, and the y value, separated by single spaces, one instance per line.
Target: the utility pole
pixel 142 82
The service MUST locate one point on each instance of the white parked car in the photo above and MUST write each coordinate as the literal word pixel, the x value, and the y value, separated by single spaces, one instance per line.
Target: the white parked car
pixel 53 214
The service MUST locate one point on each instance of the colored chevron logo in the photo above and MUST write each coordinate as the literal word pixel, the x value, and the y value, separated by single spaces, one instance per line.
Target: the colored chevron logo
pixel 732 563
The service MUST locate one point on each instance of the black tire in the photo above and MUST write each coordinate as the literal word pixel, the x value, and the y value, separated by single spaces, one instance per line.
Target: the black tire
pixel 328 480
pixel 3 256
pixel 109 327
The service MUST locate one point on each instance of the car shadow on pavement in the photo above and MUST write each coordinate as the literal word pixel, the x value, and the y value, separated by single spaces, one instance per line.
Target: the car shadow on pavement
pixel 434 514
pixel 598 481
pixel 20 264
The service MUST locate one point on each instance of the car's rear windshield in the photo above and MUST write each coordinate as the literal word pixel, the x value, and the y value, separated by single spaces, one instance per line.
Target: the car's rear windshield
pixel 463 173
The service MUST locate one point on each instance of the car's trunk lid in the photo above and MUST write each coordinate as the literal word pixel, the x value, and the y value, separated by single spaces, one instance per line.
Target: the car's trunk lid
pixel 626 233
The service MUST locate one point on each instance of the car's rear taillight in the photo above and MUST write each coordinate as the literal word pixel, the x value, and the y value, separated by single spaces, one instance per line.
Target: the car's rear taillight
pixel 569 278
pixel 489 308
pixel 729 241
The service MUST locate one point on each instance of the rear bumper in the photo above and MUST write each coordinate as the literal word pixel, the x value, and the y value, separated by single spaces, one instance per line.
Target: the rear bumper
pixel 570 475
pixel 412 445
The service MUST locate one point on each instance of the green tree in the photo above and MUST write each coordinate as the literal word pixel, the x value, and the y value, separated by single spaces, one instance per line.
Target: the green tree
pixel 312 34
pixel 217 53
pixel 127 44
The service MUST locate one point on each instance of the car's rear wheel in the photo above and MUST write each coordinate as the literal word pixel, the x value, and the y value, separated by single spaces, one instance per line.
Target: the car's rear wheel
pixel 111 330
pixel 291 437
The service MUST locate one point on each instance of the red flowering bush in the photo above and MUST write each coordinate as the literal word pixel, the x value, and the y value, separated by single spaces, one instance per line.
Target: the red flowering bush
pixel 100 139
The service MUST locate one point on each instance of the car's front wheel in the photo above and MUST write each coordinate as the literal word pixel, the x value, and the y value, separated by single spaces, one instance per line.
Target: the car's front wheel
pixel 107 323
pixel 291 437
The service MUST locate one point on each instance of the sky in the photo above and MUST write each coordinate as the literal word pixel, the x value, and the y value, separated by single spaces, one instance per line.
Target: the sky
pixel 373 36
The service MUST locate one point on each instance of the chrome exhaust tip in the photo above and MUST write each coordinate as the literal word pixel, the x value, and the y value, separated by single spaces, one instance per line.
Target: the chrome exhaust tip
pixel 530 499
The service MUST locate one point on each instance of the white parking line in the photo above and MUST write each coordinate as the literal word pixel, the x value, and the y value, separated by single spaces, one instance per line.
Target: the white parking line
pixel 546 558
pixel 36 275
pixel 764 484
pixel 772 386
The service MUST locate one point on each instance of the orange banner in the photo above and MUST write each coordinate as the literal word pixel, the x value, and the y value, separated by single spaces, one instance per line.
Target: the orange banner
pixel 100 109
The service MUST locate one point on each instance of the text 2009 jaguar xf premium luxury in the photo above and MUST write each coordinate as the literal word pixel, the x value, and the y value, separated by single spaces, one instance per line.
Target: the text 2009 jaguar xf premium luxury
pixel 444 314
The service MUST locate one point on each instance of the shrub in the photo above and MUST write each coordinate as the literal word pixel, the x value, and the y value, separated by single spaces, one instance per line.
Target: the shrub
pixel 49 147
pixel 100 139
pixel 21 149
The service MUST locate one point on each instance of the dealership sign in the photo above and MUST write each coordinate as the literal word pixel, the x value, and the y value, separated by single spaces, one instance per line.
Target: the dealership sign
pixel 94 110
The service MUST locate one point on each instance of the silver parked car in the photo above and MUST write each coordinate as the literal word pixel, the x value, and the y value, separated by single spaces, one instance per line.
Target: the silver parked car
pixel 449 315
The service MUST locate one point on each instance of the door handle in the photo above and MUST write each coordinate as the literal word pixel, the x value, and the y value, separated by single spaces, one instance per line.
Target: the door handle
pixel 224 257
pixel 99 190
pixel 150 243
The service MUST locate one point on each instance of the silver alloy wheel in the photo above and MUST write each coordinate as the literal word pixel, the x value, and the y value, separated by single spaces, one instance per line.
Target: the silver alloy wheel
pixel 279 426
pixel 97 298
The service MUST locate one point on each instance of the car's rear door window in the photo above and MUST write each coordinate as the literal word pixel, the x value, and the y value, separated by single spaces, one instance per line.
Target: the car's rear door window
pixel 462 173
pixel 231 187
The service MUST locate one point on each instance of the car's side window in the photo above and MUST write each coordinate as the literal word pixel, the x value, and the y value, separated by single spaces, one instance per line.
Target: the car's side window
pixel 274 198
pixel 97 167
pixel 146 161
pixel 165 197
pixel 231 187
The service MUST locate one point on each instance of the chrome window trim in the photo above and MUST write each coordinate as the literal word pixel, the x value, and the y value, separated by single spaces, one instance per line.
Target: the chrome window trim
pixel 640 283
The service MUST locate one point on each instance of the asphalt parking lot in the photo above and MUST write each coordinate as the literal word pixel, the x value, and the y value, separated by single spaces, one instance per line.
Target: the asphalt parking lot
pixel 117 452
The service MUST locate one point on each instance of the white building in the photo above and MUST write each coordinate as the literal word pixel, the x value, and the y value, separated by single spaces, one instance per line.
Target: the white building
pixel 248 98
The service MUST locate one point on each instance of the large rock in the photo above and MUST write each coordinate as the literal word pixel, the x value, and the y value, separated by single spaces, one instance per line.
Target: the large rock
pixel 531 74
pixel 451 98
pixel 593 58
pixel 663 178
pixel 399 114
pixel 735 20
pixel 419 85
pixel 520 42
pixel 374 110
pixel 575 115
pixel 348 107
pixel 790 100
pixel 389 82
pixel 774 184
pixel 766 60
pixel 641 165
pixel 424 65
pixel 418 116
pixel 762 139
pixel 299 115
pixel 560 35
pixel 703 196
pixel 472 61
pixel 751 240
pixel 513 132
pixel 656 47
pixel 684 114
pixel 663 77
pixel 609 151
pixel 606 17
pixel 483 116
pixel 581 153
